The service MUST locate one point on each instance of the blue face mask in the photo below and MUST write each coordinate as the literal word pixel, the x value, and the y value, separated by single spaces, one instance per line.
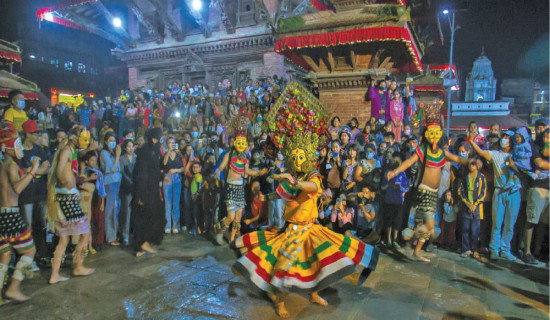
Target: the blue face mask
pixel 370 155
pixel 195 134
pixel 413 149
pixel 259 119
pixel 21 104
pixel 111 145
pixel 463 155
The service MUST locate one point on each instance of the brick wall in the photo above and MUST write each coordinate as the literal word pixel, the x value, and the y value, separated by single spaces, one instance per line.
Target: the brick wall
pixel 274 63
pixel 133 79
pixel 347 103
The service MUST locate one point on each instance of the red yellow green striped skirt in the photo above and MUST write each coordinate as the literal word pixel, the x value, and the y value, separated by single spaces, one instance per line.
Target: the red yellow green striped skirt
pixel 302 259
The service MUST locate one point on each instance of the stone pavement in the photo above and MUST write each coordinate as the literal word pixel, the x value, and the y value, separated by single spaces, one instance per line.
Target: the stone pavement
pixel 190 278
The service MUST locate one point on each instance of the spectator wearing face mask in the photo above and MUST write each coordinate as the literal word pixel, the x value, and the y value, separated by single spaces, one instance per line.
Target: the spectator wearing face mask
pixel 506 197
pixel 522 152
pixel 256 129
pixel 16 113
pixel 366 165
pixel 109 161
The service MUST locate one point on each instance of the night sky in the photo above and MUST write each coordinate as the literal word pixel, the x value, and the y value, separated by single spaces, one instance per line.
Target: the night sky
pixel 514 34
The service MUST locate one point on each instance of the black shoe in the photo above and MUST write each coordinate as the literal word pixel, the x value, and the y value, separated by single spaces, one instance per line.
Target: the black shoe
pixel 529 259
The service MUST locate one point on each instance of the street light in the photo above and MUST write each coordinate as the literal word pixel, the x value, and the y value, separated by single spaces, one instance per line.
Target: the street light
pixel 196 4
pixel 453 29
pixel 48 16
pixel 117 22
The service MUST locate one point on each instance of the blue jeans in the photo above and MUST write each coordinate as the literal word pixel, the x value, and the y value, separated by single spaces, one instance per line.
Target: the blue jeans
pixel 505 212
pixel 125 213
pixel 275 211
pixel 110 211
pixel 470 231
pixel 172 193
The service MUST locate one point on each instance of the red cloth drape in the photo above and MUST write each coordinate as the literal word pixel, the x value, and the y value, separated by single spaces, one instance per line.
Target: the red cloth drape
pixel 67 3
pixel 429 88
pixel 320 5
pixel 41 13
pixel 27 95
pixel 288 44
pixel 8 57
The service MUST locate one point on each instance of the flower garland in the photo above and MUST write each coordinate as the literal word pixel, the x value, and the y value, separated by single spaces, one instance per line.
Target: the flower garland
pixel 294 117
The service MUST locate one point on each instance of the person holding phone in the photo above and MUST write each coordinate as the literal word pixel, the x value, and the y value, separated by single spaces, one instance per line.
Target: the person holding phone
pixel 173 167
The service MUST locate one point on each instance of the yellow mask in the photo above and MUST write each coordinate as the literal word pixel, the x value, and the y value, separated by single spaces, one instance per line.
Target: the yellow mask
pixel 240 144
pixel 84 139
pixel 298 157
pixel 433 134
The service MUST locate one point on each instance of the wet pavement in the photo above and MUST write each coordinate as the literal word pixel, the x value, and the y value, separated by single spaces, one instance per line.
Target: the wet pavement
pixel 190 278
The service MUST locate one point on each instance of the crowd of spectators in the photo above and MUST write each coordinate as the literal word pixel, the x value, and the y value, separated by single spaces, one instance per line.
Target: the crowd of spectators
pixel 490 207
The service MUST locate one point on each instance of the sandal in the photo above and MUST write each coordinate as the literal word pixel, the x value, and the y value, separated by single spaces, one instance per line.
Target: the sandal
pixel 114 244
pixel 475 255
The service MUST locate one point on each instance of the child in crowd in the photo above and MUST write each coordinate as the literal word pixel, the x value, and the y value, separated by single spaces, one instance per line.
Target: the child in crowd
pixel 522 152
pixel 393 202
pixel 448 220
pixel 196 186
pixel 97 222
pixel 472 194
pixel 257 215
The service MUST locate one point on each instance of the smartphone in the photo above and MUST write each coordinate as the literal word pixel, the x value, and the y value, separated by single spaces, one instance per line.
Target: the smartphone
pixel 334 154
pixel 174 146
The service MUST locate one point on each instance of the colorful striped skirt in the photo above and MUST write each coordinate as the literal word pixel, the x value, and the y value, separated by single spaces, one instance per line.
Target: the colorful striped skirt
pixel 302 259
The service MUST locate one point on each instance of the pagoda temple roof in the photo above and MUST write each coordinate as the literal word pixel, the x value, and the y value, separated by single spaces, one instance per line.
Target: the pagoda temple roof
pixel 10 81
pixel 9 52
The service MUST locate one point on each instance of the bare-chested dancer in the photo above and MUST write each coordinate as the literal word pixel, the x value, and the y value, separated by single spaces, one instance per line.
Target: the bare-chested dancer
pixel 65 215
pixel 14 234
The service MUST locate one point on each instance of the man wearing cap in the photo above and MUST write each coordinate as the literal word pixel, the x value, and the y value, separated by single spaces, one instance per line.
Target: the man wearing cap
pixel 14 234
pixel 32 199
pixel 16 113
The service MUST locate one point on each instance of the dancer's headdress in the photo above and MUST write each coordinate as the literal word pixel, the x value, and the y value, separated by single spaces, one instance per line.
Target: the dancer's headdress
pixel 238 127
pixel 297 121
pixel 431 114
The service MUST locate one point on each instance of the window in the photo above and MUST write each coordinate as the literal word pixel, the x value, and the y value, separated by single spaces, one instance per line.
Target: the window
pixel 81 68
pixel 68 65
pixel 55 62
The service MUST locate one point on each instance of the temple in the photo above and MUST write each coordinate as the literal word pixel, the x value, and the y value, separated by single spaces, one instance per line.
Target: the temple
pixel 480 103
pixel 346 41
pixel 481 84
pixel 333 45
